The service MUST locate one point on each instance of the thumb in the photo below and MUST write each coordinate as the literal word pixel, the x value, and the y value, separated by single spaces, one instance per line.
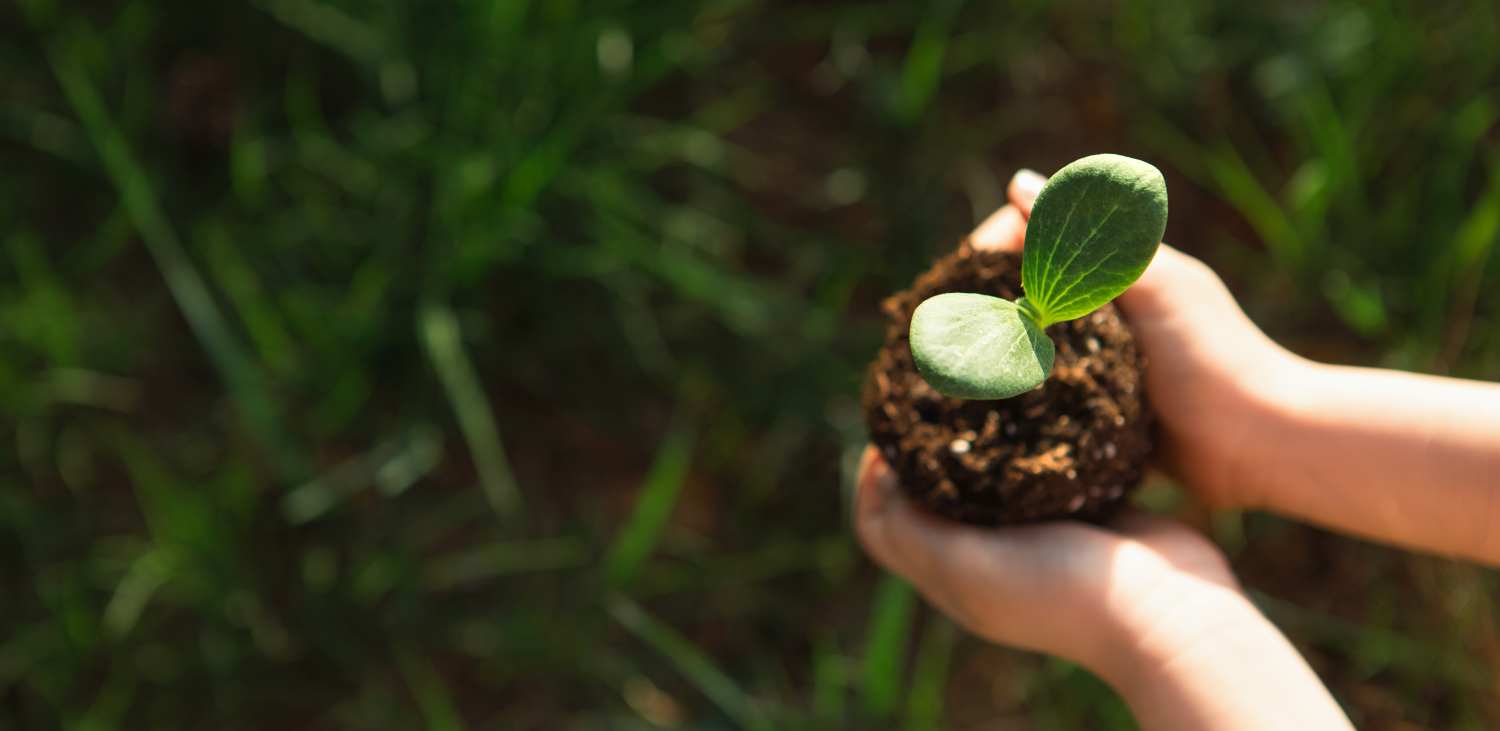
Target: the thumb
pixel 1023 189
pixel 1177 286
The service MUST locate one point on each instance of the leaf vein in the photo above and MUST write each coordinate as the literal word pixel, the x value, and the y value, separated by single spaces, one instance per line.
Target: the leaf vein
pixel 1052 284
pixel 1057 240
pixel 1081 277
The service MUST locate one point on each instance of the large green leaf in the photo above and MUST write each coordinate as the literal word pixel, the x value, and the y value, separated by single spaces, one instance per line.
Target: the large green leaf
pixel 975 346
pixel 1094 229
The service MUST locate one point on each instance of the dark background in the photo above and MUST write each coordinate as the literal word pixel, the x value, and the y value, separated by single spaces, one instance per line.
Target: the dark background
pixel 495 364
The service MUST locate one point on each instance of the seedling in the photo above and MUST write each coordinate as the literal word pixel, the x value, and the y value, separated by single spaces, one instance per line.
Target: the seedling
pixel 1093 230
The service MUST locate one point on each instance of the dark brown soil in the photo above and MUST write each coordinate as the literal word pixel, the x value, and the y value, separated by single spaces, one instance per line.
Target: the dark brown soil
pixel 1074 448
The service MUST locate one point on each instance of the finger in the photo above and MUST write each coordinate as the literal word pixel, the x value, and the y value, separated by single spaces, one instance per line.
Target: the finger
pixel 1005 229
pixel 886 524
pixel 958 565
pixel 1176 542
pixel 877 504
pixel 874 488
pixel 1002 231
pixel 955 565
pixel 1168 266
pixel 875 480
pixel 1037 587
pixel 1023 189
pixel 1178 285
pixel 947 563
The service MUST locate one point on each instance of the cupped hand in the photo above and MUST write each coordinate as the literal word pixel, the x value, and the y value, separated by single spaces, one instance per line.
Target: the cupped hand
pixel 1141 590
pixel 1145 602
pixel 1077 590
pixel 1213 378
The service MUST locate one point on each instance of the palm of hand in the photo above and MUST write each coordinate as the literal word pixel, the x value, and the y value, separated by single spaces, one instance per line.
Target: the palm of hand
pixel 1070 589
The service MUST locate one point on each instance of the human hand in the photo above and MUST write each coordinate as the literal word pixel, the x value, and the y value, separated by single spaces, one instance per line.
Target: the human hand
pixel 1146 603
pixel 1214 379
pixel 1068 589
pixel 1106 598
pixel 1399 458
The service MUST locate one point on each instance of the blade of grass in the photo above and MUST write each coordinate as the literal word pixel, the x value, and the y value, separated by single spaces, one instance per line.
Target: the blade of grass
pixel 46 132
pixel 25 650
pixel 829 556
pixel 830 680
pixel 133 593
pixel 54 325
pixel 923 70
pixel 439 331
pixel 691 661
pixel 186 285
pixel 112 703
pixel 432 694
pixel 1333 144
pixel 90 388
pixel 653 507
pixel 329 26
pixel 392 466
pixel 238 280
pixel 503 559
pixel 885 646
pixel 1479 233
pixel 1470 251
pixel 444 516
pixel 183 521
pixel 1235 180
pixel 924 705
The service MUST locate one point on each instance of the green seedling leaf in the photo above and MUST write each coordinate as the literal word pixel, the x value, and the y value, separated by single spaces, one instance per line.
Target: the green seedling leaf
pixel 1094 229
pixel 975 346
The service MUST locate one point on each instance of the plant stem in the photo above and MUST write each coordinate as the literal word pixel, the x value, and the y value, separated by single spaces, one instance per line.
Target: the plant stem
pixel 1028 309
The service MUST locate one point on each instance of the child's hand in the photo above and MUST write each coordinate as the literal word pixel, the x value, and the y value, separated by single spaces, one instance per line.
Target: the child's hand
pixel 1069 589
pixel 1147 604
pixel 1395 457
pixel 1146 587
pixel 1215 380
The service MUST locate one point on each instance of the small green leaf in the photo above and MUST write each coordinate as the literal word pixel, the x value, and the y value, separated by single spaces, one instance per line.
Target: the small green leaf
pixel 1094 229
pixel 975 346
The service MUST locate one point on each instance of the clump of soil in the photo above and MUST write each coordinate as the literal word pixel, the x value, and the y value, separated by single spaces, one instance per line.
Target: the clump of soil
pixel 1073 448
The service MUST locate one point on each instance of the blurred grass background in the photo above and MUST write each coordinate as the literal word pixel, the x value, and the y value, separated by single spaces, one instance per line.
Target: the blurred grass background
pixel 495 364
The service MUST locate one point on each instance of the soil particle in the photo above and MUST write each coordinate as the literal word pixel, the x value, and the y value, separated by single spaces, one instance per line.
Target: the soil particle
pixel 1074 447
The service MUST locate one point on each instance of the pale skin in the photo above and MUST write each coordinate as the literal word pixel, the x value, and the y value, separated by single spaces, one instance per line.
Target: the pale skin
pixel 1147 603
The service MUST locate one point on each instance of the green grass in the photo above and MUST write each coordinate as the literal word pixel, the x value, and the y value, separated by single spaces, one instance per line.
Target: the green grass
pixel 492 365
pixel 657 496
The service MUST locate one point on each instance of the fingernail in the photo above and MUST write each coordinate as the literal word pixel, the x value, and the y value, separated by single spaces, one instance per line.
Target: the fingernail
pixel 1028 181
pixel 871 467
pixel 885 485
